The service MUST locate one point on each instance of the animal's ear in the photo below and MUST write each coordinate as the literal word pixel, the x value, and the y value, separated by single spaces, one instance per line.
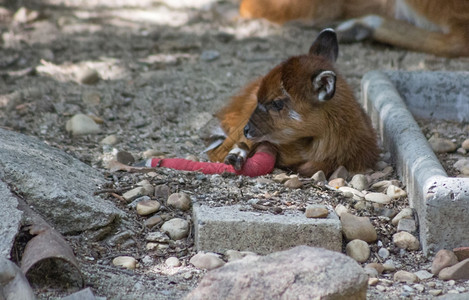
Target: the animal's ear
pixel 324 85
pixel 326 45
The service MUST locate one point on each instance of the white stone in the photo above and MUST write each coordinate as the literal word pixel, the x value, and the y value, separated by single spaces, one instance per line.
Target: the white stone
pixel 340 209
pixel 465 144
pixel 109 140
pixel 423 275
pixel 383 253
pixel 358 250
pixel 359 182
pixel 404 276
pixel 462 166
pixel 176 228
pixel 378 198
pixel 172 262
pixel 81 124
pixel 319 176
pixel 357 195
pixel 405 240
pixel 146 207
pixel 127 262
pixel 208 261
pixel 441 145
pixel 134 193
pixel 395 192
pixel 406 213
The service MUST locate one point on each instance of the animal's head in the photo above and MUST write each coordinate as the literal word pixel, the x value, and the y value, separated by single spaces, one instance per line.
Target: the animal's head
pixel 292 97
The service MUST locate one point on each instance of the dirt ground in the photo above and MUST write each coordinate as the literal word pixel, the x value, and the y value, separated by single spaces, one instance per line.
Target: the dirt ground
pixel 164 68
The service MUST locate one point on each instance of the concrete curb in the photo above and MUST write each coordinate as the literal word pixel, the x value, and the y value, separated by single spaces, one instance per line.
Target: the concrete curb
pixel 441 202
pixel 218 229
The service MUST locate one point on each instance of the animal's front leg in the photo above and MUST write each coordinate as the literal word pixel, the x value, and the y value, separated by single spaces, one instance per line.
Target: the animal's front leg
pixel 238 155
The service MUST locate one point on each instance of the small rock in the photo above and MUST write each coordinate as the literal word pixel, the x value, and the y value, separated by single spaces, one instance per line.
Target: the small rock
pixel 461 151
pixel 389 267
pixel 378 198
pixel 147 186
pixel 372 273
pixel 151 153
pixel 443 259
pixel 172 262
pixel 340 209
pixel 157 236
pixel 459 271
pixel 360 205
pixel 340 172
pixel 378 267
pixel 406 225
pixel 127 262
pixel 358 250
pixel 208 261
pixel 359 182
pixel 281 178
pixel 232 255
pixel 380 186
pixel 419 287
pixel 435 292
pixel 406 213
pixel 125 158
pixel 209 55
pixel 405 240
pixel 441 145
pixel 81 124
pixel 357 195
pixel 162 191
pixel 152 221
pixel 465 144
pixel 147 207
pixel 381 288
pixel 109 140
pixel 354 227
pixel 337 183
pixel 134 193
pixel 423 275
pixel 316 211
pixel 381 174
pixel 180 201
pixel 395 192
pixel 24 15
pixel 293 183
pixel 87 76
pixel 462 166
pixel 319 176
pixel 380 165
pixel 404 276
pixel 192 157
pixel 373 281
pixel 176 228
pixel 461 253
pixel 383 253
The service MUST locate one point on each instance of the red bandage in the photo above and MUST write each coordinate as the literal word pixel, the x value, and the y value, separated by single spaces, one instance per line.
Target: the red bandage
pixel 261 163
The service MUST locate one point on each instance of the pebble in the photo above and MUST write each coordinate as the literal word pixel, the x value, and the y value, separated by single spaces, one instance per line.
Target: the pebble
pixel 152 221
pixel 25 15
pixel 419 287
pixel 147 186
pixel 337 183
pixel 443 259
pixel 176 228
pixel 134 193
pixel 406 213
pixel 360 205
pixel 180 201
pixel 381 288
pixel 382 186
pixel 395 192
pixel 127 262
pixel 340 172
pixel 405 240
pixel 373 281
pixel 340 209
pixel 316 211
pixel 172 262
pixel 147 207
pixel 378 198
pixel 109 140
pixel 359 182
pixel 358 250
pixel 377 266
pixel 462 166
pixel 293 183
pixel 441 145
pixel 381 174
pixel 435 292
pixel 87 76
pixel 162 191
pixel 389 266
pixel 372 273
pixel 423 275
pixel 461 253
pixel 459 271
pixel 404 276
pixel 319 176
pixel 354 227
pixel 125 158
pixel 465 144
pixel 134 203
pixel 357 195
pixel 209 55
pixel 81 124
pixel 281 178
pixel 208 261
pixel 383 253
pixel 157 236
pixel 406 225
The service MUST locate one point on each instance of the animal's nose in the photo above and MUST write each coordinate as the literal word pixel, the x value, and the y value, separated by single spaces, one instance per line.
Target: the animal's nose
pixel 246 130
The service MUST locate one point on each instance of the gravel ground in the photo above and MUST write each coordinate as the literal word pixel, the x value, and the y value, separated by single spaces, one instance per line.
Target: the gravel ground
pixel 164 67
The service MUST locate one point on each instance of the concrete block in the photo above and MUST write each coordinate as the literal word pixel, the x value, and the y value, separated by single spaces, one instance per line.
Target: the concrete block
pixel 218 229
pixel 441 202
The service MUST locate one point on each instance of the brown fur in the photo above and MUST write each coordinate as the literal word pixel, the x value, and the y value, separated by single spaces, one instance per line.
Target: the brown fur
pixel 448 35
pixel 323 134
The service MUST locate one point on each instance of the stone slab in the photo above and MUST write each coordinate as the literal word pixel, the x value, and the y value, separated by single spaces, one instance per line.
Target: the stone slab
pixel 218 229
pixel 10 220
pixel 441 202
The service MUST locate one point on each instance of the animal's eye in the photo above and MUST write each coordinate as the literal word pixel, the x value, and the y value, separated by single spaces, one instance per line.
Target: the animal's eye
pixel 277 105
